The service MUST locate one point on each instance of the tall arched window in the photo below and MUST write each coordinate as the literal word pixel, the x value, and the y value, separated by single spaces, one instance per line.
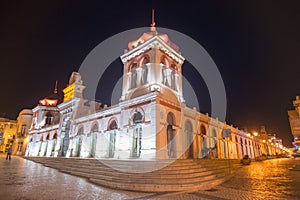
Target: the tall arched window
pixel 215 143
pixel 79 136
pixel 171 142
pixel 173 77
pixel 54 141
pixel 189 139
pixel 112 138
pixel 133 69
pixel 93 138
pixel 143 64
pixel 204 149
pixel 166 72
pixel 49 118
pixel 137 134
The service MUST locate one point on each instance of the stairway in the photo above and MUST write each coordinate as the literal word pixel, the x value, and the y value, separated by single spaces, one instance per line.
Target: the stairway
pixel 138 175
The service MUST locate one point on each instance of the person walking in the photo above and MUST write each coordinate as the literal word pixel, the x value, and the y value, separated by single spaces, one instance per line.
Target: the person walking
pixel 9 151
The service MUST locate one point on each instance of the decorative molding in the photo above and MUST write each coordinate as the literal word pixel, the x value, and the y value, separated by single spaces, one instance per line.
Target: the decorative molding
pixel 154 42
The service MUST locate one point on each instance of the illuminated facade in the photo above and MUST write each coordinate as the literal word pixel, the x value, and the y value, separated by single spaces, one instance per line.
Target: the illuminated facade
pixel 23 124
pixel 294 118
pixel 151 121
pixel 8 130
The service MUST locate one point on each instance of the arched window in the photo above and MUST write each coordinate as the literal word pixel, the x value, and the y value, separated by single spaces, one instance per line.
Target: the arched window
pixel 54 140
pixel 137 134
pixel 48 136
pixel 112 125
pixel 80 131
pixel 112 137
pixel 133 68
pixel 189 138
pixel 49 118
pixel 144 78
pixel 215 143
pixel 171 143
pixel 95 128
pixel 144 60
pixel 202 130
pixel 94 131
pixel 137 117
pixel 165 61
pixel 55 136
pixel 171 119
pixel 214 136
pixel 78 140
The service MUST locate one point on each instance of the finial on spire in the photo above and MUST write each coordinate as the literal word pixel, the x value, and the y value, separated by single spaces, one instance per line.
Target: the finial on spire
pixel 55 89
pixel 153 22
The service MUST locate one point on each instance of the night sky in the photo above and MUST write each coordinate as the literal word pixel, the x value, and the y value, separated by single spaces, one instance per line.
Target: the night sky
pixel 255 45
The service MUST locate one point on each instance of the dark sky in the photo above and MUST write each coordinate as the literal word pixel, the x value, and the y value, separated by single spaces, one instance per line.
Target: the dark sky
pixel 255 45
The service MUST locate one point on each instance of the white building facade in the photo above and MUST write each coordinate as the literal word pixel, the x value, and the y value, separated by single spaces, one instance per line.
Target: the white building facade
pixel 151 121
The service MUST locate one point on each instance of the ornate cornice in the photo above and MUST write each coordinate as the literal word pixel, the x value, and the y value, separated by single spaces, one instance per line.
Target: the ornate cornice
pixel 154 42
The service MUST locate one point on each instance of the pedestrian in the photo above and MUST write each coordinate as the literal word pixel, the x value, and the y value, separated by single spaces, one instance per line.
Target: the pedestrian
pixel 9 151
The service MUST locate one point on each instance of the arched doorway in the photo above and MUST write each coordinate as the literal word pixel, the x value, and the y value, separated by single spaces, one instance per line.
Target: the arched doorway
pixel 79 142
pixel 112 138
pixel 65 142
pixel 171 141
pixel 204 148
pixel 54 141
pixel 47 141
pixel 93 143
pixel 215 144
pixel 189 139
pixel 137 134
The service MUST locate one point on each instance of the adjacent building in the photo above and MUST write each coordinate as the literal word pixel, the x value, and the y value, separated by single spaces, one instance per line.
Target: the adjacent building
pixel 8 129
pixel 151 121
pixel 294 118
pixel 23 124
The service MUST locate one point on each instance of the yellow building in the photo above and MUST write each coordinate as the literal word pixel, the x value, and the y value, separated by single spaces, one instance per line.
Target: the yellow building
pixel 8 129
pixel 23 124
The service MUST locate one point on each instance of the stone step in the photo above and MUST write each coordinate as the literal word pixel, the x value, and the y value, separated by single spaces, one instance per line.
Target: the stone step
pixel 166 170
pixel 149 180
pixel 144 175
pixel 205 185
pixel 180 175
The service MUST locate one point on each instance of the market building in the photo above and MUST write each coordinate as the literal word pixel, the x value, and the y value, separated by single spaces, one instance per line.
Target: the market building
pixel 151 121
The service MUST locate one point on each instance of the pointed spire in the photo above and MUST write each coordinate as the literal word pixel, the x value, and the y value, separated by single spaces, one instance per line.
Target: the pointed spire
pixel 152 22
pixel 55 89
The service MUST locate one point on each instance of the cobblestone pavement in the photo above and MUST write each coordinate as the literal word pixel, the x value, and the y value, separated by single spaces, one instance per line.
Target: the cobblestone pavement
pixel 25 180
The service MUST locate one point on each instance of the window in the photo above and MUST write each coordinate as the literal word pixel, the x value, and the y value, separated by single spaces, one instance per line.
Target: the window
pixel 23 130
pixel 49 118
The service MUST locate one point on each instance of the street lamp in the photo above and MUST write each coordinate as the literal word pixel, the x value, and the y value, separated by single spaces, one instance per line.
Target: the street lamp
pixel 255 133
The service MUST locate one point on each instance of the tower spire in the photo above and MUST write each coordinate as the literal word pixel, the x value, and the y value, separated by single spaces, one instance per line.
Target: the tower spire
pixel 55 89
pixel 152 22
